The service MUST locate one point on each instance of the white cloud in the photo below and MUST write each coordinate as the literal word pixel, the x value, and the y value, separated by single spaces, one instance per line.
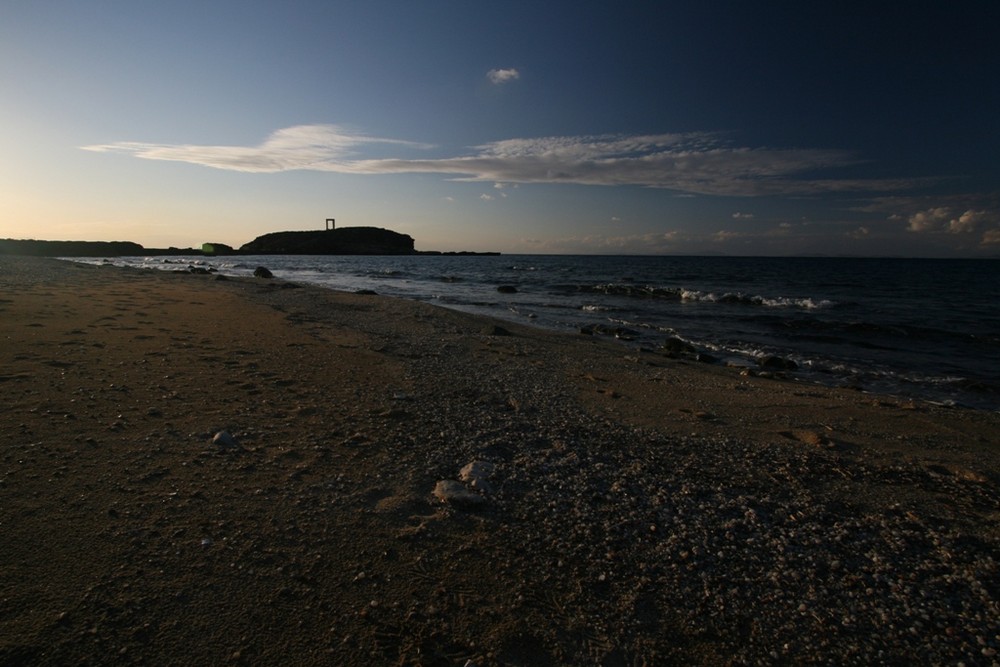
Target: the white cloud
pixel 930 220
pixel 969 221
pixel 742 216
pixel 944 219
pixel 859 233
pixel 991 237
pixel 486 197
pixel 692 163
pixel 501 76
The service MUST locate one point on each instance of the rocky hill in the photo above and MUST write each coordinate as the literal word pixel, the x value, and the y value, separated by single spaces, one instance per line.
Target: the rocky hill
pixel 343 241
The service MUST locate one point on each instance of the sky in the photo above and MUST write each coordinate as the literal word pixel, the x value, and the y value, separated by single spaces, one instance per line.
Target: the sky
pixel 709 127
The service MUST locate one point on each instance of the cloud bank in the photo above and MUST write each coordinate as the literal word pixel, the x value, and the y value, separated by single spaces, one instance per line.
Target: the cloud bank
pixel 693 162
pixel 946 219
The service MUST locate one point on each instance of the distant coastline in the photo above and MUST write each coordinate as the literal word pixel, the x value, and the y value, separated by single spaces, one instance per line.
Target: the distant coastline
pixel 342 241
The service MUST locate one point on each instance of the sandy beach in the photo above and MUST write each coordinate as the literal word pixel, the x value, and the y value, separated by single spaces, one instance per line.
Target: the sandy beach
pixel 623 507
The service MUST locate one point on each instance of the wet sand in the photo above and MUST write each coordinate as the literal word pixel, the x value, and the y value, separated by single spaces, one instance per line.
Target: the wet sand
pixel 640 509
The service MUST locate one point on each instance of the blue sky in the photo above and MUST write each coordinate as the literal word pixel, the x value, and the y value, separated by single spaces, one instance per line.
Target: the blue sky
pixel 745 128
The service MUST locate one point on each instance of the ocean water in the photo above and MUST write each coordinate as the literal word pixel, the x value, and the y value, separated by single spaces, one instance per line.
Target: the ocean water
pixel 922 328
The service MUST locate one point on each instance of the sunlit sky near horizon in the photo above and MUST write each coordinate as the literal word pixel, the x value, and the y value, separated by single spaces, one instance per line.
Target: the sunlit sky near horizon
pixel 735 127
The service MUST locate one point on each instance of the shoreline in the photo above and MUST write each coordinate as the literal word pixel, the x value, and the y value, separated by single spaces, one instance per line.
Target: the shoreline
pixel 772 328
pixel 641 508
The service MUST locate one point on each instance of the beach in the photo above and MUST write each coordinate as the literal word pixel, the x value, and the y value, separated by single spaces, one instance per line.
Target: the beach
pixel 403 484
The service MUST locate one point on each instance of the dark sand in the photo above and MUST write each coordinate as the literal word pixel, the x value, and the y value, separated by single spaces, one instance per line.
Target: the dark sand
pixel 643 510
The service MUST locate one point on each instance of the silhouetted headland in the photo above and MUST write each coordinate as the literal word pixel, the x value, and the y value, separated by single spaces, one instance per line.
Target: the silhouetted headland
pixel 34 248
pixel 342 241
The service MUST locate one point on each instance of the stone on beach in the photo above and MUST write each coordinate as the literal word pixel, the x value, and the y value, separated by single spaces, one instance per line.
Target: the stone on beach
pixel 225 440
pixel 496 330
pixel 262 272
pixel 456 493
pixel 472 488
pixel 476 474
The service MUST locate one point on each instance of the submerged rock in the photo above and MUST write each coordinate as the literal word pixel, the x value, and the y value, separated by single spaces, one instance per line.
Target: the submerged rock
pixel 675 347
pixel 776 363
pixel 262 272
pixel 507 289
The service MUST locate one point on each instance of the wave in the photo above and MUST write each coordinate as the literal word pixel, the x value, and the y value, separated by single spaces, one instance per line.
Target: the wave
pixel 382 273
pixel 681 294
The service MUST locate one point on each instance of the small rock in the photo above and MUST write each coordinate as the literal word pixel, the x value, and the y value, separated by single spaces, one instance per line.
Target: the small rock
pixel 475 475
pixel 225 440
pixel 450 491
pixel 676 348
pixel 507 289
pixel 776 363
pixel 496 330
pixel 262 272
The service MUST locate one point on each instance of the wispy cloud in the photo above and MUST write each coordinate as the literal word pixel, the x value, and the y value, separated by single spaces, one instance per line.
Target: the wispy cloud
pixel 694 163
pixel 500 76
pixel 313 147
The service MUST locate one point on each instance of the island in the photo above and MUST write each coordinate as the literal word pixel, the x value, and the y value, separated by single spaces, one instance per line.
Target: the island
pixel 342 241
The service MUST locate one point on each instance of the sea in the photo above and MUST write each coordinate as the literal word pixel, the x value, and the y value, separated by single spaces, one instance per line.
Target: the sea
pixel 926 329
